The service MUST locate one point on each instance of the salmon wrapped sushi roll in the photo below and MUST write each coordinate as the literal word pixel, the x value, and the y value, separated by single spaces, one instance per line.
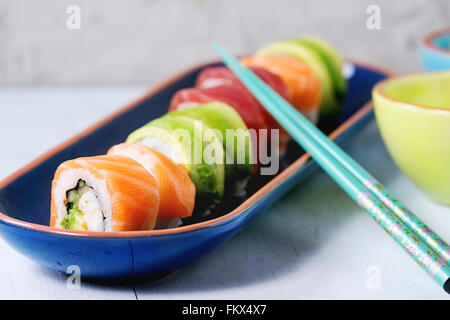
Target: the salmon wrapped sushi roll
pixel 302 83
pixel 104 193
pixel 176 190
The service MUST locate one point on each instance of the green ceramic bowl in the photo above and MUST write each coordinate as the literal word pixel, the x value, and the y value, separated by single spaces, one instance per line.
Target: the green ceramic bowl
pixel 413 114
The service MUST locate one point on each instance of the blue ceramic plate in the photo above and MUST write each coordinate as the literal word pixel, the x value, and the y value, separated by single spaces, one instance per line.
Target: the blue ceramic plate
pixel 25 195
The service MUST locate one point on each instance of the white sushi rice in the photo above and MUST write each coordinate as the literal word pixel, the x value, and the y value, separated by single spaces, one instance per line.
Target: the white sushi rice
pixel 162 146
pixel 91 209
pixel 94 202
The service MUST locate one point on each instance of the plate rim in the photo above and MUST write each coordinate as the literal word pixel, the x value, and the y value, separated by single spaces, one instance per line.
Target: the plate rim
pixel 244 206
pixel 427 40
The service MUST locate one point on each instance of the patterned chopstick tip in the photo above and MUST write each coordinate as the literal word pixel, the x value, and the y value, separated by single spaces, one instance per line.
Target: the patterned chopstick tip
pixel 430 237
pixel 373 184
pixel 408 240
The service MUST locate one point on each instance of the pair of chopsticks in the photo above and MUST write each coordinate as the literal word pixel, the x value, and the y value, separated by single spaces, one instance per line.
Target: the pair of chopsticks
pixel 429 250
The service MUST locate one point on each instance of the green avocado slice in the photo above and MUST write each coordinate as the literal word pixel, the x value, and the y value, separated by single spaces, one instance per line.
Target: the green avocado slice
pixel 187 140
pixel 332 59
pixel 74 218
pixel 239 151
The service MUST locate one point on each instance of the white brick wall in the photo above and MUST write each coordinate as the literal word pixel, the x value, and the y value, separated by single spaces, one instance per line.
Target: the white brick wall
pixel 141 42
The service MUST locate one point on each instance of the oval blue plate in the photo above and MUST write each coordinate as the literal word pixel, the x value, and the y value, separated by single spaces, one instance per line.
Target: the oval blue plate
pixel 25 195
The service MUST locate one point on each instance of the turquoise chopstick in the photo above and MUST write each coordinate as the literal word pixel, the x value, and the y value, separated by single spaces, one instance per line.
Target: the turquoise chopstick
pixel 408 230
pixel 425 233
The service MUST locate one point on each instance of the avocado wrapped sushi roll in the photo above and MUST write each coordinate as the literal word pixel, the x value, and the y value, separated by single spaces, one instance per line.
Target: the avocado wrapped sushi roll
pixel 332 59
pixel 248 108
pixel 234 136
pixel 325 62
pixel 301 81
pixel 194 145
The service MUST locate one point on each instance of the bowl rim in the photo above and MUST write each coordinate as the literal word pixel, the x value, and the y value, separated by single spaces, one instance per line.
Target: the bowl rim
pixel 243 207
pixel 378 89
pixel 427 40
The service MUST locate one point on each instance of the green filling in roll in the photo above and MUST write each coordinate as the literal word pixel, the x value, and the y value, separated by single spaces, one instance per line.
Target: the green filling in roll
pixel 74 217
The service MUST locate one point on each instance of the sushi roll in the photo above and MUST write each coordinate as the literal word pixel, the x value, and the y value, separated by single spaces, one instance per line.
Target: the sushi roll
pixel 234 135
pixel 249 111
pixel 194 145
pixel 176 190
pixel 103 193
pixel 329 104
pixel 332 59
pixel 220 76
pixel 302 83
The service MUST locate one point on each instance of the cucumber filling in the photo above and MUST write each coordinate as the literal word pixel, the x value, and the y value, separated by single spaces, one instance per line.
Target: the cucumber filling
pixel 83 209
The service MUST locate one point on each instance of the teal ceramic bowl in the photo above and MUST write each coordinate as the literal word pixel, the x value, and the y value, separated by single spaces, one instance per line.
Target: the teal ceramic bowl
pixel 435 50
pixel 413 114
